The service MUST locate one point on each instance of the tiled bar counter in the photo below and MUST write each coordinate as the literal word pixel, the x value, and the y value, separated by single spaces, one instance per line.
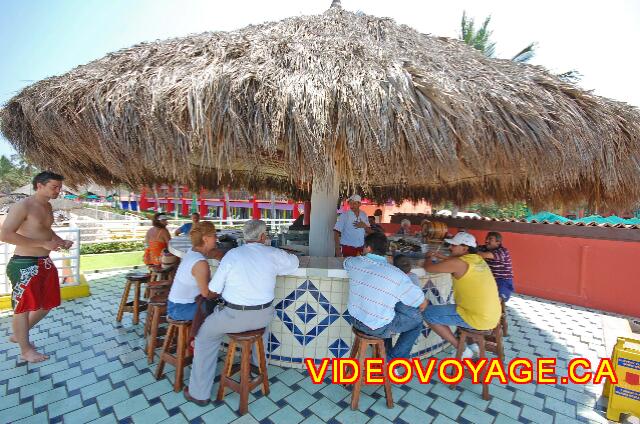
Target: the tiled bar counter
pixel 311 310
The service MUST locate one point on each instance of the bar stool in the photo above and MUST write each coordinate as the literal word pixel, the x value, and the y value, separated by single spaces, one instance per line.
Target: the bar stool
pixel 157 273
pixel 182 357
pixel 245 341
pixel 503 318
pixel 159 291
pixel 358 351
pixel 136 305
pixel 156 315
pixel 488 341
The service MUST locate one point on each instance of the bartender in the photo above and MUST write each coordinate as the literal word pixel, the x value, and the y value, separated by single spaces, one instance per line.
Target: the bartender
pixel 350 229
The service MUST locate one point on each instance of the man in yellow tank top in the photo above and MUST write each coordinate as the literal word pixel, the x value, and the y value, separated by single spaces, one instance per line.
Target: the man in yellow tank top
pixel 474 290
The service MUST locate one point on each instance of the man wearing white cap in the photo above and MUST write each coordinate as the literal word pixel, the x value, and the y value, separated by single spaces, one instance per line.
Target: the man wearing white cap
pixel 350 228
pixel 474 290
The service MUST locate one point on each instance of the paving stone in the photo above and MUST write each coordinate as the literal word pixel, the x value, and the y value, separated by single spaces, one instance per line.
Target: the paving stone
pixel 62 376
pixel 19 411
pixel 286 415
pixel 83 415
pixel 96 389
pixel 108 399
pixel 447 408
pixel 33 419
pixel 35 388
pixel 560 406
pixel 154 414
pixel 505 408
pixel 380 408
pixel 300 400
pixel 325 409
pixel 81 381
pixel 63 406
pixel 528 399
pixel 191 410
pixel 262 408
pixel 312 419
pixel 476 416
pixel 412 414
pixel 335 392
pixel 290 377
pixel 45 398
pixel 157 389
pixel 220 415
pixel 175 419
pixel 130 406
pixel 536 415
pixel 172 399
pixel 418 399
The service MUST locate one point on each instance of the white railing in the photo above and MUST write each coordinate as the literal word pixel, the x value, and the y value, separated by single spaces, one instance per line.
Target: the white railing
pixel 67 262
pixel 135 230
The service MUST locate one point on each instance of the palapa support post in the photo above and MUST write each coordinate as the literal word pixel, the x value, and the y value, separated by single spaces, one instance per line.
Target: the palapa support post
pixel 324 198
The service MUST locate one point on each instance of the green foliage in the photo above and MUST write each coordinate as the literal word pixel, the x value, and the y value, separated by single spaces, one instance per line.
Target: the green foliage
pixel 110 247
pixel 14 173
pixel 515 210
pixel 480 39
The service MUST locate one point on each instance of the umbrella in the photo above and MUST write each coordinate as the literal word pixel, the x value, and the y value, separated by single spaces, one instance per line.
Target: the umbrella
pixel 329 104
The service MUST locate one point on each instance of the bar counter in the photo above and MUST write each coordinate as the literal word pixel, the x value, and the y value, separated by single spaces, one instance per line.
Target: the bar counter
pixel 311 310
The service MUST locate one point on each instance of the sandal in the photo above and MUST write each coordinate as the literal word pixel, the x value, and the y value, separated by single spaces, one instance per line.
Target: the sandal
pixel 198 402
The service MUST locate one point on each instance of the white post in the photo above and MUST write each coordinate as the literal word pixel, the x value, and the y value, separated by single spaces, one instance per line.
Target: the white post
pixel 324 199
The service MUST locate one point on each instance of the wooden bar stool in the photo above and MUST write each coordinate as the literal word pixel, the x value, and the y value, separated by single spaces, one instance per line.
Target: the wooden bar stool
pixel 158 290
pixel 157 273
pixel 358 351
pixel 245 341
pixel 182 357
pixel 488 341
pixel 503 318
pixel 156 315
pixel 136 305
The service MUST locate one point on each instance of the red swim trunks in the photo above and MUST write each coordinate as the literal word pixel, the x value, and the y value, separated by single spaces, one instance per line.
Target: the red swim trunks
pixel 34 282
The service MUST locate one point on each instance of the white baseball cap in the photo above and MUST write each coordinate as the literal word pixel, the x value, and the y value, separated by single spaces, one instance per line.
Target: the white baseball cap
pixel 163 217
pixel 355 198
pixel 463 238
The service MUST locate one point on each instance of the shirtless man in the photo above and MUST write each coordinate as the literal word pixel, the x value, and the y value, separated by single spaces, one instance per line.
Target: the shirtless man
pixel 34 278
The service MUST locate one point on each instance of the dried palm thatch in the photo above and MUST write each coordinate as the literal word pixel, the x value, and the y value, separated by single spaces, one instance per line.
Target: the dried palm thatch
pixel 397 113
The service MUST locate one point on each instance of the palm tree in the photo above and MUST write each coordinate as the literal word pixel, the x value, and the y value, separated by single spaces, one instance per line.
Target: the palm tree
pixel 480 39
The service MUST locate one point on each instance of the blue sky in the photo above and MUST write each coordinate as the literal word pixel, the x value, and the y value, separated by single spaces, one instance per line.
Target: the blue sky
pixel 41 38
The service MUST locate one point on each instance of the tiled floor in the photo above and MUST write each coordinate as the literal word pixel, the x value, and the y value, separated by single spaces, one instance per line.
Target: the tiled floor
pixel 98 372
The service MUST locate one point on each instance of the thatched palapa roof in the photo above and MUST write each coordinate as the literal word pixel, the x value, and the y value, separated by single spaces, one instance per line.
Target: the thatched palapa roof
pixel 400 114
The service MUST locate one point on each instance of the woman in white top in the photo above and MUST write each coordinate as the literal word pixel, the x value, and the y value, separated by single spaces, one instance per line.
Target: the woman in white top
pixel 193 274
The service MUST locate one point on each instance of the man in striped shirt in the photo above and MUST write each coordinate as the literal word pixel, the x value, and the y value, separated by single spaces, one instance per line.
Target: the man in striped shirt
pixel 499 260
pixel 375 287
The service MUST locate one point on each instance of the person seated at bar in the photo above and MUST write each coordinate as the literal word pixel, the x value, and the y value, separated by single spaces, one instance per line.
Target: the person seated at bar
pixel 373 227
pixel 499 260
pixel 186 227
pixel 156 239
pixel 405 228
pixel 375 289
pixel 245 280
pixel 193 274
pixel 474 290
pixel 349 230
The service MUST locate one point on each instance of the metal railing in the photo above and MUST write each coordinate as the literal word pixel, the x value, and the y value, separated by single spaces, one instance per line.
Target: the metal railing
pixel 67 262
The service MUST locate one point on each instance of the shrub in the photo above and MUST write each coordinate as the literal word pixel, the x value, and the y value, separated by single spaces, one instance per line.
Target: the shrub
pixel 111 247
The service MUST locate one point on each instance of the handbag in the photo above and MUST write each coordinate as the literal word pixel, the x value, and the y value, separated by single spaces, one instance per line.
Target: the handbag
pixel 204 308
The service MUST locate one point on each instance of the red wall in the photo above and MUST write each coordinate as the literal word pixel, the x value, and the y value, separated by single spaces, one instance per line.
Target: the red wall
pixel 599 274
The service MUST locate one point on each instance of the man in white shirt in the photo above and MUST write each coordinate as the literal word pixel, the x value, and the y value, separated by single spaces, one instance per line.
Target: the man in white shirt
pixel 350 229
pixel 245 280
